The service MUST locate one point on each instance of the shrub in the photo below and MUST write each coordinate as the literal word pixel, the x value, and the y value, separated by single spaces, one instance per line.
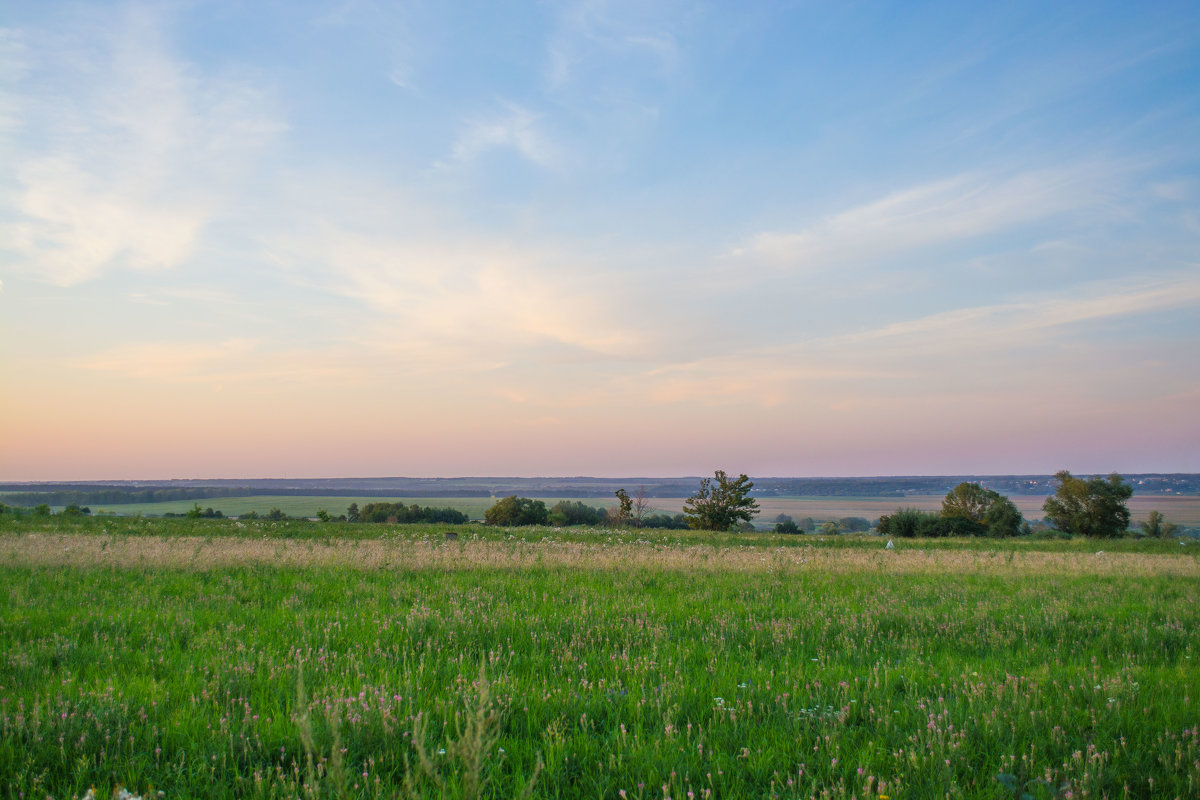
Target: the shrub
pixel 787 526
pixel 517 511
pixel 573 512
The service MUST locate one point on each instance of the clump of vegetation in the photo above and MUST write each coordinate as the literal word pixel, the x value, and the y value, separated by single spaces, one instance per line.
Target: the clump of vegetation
pixel 991 512
pixel 1156 526
pixel 967 510
pixel 565 513
pixel 515 511
pixel 1094 507
pixel 400 513
pixel 785 524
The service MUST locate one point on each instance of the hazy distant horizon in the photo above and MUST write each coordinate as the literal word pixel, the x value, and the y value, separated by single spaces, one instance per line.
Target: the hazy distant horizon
pixel 598 478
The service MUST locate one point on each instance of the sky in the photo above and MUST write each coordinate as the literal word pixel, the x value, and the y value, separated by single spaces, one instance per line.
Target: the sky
pixel 299 239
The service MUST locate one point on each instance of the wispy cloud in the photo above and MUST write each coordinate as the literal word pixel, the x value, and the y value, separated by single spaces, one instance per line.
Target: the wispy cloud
pixel 123 153
pixel 597 34
pixel 170 361
pixel 462 294
pixel 886 359
pixel 956 208
pixel 1006 322
pixel 517 128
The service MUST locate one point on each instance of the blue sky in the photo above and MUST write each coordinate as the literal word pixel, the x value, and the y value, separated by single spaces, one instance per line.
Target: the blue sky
pixel 598 238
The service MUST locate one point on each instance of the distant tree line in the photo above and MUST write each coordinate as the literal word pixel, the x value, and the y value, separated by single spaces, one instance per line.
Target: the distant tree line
pixel 514 511
pixel 401 513
pixel 119 496
pixel 967 510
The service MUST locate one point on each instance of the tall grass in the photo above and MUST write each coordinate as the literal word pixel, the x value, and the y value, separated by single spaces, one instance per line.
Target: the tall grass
pixel 604 669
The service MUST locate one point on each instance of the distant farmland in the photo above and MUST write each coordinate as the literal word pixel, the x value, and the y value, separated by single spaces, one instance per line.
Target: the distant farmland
pixel 1182 510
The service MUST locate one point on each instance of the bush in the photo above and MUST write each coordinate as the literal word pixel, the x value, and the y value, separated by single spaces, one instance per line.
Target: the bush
pixel 787 526
pixel 517 511
pixel 400 513
pixel 676 522
pixel 906 523
pixel 573 512
pixel 853 524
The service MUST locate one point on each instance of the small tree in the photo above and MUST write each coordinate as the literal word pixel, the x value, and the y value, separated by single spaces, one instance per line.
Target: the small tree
pixel 1156 525
pixel 641 506
pixel 352 512
pixel 624 510
pixel 1094 507
pixel 721 503
pixel 788 525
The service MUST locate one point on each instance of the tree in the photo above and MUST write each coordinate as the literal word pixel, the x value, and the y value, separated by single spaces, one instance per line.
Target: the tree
pixel 641 506
pixel 986 511
pixel 624 510
pixel 788 525
pixel 352 512
pixel 720 503
pixel 968 500
pixel 1157 526
pixel 572 512
pixel 1094 507
pixel 854 524
pixel 517 511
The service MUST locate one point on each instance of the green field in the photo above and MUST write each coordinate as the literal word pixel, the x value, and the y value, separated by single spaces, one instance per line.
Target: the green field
pixel 224 659
pixel 302 506
pixel 1182 510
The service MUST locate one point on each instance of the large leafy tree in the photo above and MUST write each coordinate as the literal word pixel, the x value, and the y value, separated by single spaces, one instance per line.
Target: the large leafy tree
pixel 720 503
pixel 992 512
pixel 517 511
pixel 1094 507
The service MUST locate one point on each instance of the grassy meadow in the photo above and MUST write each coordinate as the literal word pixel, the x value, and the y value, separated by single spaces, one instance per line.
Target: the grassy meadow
pixel 212 658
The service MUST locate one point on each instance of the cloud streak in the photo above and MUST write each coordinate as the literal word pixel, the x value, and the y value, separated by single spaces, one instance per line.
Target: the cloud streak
pixel 517 128
pixel 930 214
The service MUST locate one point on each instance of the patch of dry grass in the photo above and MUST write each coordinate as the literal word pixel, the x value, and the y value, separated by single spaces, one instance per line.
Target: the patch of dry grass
pixel 199 553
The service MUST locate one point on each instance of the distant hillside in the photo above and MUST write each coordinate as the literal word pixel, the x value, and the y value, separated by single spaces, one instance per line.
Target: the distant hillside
pixel 152 491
